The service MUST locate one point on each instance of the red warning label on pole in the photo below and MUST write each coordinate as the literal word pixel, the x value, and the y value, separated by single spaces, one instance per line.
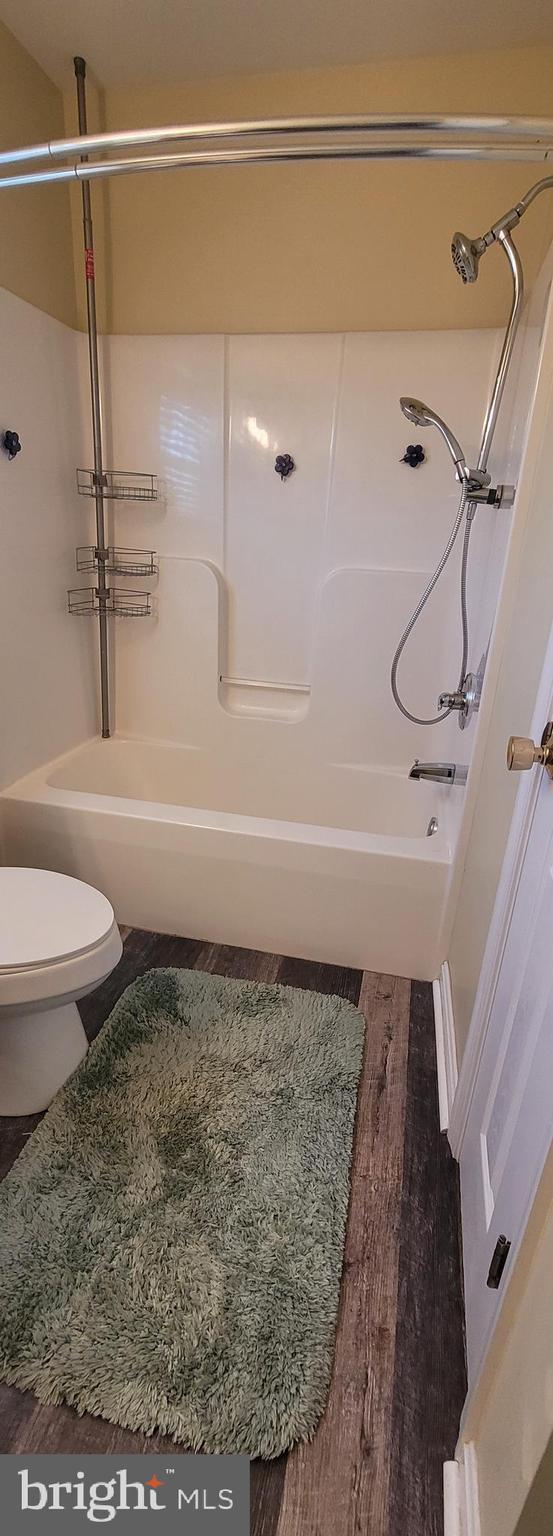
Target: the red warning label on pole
pixel 89 262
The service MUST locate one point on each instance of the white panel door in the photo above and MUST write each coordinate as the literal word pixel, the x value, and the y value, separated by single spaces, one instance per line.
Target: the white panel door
pixel 510 1125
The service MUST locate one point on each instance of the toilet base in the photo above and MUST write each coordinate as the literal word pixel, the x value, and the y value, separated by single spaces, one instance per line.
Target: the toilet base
pixel 39 1049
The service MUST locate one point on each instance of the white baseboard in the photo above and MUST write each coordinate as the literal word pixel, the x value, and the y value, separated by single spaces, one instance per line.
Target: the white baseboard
pixel 446 1051
pixel 452 1499
pixel 461 1509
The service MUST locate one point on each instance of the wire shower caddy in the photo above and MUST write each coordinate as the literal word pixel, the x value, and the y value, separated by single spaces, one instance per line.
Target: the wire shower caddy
pixel 118 561
pixel 117 485
pixel 120 601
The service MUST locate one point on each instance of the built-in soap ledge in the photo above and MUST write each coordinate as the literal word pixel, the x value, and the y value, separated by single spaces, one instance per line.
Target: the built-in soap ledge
pixel 262 699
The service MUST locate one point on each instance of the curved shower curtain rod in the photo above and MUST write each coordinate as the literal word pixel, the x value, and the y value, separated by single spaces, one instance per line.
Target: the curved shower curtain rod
pixel 382 138
pixel 190 159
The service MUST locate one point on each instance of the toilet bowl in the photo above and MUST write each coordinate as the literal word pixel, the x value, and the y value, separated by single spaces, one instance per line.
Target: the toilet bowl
pixel 58 941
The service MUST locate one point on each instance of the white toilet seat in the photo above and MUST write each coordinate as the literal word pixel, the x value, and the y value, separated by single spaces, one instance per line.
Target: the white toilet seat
pixel 58 941
pixel 58 938
pixel 46 918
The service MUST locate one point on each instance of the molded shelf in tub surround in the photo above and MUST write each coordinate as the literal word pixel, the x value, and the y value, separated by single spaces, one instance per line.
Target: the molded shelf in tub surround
pixel 118 485
pixel 120 562
pixel 267 700
pixel 127 604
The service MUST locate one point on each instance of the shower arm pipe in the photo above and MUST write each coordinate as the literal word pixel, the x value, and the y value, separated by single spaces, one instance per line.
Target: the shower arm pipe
pixel 539 186
pixel 95 400
pixel 493 128
pixel 267 155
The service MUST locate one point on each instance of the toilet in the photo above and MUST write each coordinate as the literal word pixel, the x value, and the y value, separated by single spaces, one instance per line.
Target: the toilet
pixel 58 941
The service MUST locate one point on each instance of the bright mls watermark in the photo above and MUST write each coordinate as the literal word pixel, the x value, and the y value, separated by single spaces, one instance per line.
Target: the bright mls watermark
pixel 209 1495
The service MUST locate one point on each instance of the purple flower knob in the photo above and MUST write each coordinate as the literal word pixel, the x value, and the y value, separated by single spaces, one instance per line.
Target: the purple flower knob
pixel 284 465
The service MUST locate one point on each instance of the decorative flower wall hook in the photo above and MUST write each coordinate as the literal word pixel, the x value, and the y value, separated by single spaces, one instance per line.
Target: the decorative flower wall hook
pixel 284 465
pixel 414 455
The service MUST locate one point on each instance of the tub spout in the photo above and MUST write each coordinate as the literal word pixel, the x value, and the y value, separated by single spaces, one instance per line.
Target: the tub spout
pixel 439 773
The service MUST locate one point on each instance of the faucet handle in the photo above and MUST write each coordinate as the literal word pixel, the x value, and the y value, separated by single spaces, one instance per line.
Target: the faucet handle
pixel 455 700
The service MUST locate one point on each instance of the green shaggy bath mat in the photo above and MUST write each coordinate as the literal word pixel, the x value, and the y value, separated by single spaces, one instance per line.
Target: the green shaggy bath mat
pixel 171 1237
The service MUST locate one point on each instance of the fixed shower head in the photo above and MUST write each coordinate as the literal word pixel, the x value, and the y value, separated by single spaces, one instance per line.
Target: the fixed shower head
pixel 466 255
pixel 466 252
pixel 422 416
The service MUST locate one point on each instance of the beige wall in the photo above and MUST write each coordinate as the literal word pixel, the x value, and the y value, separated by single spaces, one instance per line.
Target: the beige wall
pixel 281 248
pixel 101 213
pixel 511 1418
pixel 328 247
pixel 535 1519
pixel 35 234
pixel 524 624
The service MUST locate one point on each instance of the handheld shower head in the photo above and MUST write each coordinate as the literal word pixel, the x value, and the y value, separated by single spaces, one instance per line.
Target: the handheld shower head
pixel 466 255
pixel 422 416
pixel 415 411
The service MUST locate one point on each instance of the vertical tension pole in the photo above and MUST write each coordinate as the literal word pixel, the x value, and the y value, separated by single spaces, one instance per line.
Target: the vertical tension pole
pixel 99 479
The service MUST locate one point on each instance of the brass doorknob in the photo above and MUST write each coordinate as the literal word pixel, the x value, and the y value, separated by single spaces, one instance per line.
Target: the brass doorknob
pixel 522 753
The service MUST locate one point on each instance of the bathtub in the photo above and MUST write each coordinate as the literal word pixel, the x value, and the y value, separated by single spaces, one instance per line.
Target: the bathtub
pixel 332 864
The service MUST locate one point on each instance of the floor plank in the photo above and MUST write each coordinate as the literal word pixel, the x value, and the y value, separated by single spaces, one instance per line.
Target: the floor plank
pixel 266 1485
pixel 340 1480
pixel 242 964
pixel 430 1380
pixel 316 976
pixel 15 1131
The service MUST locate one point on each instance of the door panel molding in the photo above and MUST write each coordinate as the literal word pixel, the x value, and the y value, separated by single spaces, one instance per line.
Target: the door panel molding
pixel 513 1003
pixel 515 852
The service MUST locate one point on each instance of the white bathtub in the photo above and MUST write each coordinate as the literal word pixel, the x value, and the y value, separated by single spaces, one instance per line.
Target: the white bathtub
pixel 332 865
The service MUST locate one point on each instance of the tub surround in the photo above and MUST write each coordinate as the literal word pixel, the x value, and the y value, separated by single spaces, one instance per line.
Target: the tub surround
pixel 312 580
pixel 48 681
pixel 262 793
pixel 258 787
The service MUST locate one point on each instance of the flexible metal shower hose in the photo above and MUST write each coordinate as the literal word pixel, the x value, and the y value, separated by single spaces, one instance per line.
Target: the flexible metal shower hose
pixel 434 719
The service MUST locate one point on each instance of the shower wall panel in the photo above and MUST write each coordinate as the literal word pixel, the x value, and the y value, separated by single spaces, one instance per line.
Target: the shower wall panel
pixel 491 531
pixel 280 602
pixel 48 675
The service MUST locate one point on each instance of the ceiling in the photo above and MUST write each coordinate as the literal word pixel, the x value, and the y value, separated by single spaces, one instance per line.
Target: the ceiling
pixel 125 41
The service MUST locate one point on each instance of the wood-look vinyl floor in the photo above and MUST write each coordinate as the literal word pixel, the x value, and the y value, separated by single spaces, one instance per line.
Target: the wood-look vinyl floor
pixel 375 1463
